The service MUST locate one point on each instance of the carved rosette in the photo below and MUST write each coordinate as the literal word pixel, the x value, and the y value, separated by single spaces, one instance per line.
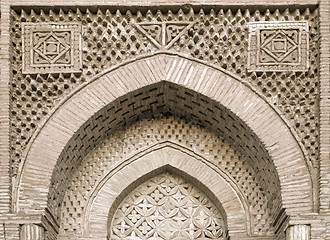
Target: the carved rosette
pixel 278 46
pixel 51 47
pixel 167 207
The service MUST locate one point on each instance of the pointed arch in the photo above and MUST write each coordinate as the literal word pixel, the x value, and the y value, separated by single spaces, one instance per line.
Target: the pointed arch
pixel 166 157
pixel 215 84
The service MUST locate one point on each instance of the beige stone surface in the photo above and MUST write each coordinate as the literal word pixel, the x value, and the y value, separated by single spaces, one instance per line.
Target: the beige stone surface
pixel 154 87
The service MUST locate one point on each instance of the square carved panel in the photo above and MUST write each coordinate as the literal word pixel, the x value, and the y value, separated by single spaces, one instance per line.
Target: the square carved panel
pixel 51 47
pixel 278 46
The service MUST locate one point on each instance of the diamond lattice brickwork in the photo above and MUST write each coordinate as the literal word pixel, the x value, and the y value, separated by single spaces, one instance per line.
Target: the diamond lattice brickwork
pixel 167 207
pixel 149 132
pixel 217 36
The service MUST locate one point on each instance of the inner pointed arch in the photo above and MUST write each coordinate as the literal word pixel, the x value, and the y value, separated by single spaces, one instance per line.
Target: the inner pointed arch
pixel 167 192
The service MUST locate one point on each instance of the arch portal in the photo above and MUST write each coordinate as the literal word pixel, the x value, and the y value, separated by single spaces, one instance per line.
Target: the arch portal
pixel 167 157
pixel 167 207
pixel 169 83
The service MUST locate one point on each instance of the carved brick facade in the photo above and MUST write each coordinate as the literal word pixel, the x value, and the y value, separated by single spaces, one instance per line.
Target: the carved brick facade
pixel 51 47
pixel 167 207
pixel 278 46
pixel 165 121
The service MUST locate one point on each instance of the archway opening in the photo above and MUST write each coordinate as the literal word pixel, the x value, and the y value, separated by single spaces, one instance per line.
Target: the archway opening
pixel 166 206
pixel 148 135
pixel 226 111
pixel 154 101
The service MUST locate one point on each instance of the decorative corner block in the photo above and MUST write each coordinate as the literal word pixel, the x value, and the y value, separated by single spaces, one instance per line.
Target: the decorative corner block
pixel 51 47
pixel 278 46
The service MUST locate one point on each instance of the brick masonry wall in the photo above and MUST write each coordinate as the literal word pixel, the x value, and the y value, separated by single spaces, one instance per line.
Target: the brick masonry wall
pixel 5 75
pixel 325 108
pixel 9 231
pixel 5 189
pixel 210 39
pixel 149 134
pixel 41 102
pixel 266 128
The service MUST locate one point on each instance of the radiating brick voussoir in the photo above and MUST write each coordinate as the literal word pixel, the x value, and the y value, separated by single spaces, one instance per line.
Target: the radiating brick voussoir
pixel 98 210
pixel 226 90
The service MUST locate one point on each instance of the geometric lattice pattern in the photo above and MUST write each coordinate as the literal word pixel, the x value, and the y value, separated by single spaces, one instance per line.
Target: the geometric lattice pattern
pixel 148 132
pixel 110 37
pixel 166 207
pixel 51 47
pixel 278 46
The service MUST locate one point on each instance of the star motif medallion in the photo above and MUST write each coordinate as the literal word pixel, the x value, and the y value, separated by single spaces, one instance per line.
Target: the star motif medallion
pixel 278 46
pixel 51 47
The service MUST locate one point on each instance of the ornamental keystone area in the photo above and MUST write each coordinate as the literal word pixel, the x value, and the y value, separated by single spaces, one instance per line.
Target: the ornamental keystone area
pixel 165 120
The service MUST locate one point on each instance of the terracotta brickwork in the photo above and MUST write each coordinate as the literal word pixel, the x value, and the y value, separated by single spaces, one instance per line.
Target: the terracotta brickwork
pixel 164 120
pixel 91 130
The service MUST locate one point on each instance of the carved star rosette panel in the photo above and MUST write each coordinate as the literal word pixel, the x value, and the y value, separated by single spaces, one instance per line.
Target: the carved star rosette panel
pixel 167 207
pixel 51 47
pixel 278 46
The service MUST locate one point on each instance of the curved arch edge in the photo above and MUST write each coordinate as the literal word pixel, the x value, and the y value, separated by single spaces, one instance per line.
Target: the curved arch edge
pixel 151 162
pixel 291 146
pixel 142 57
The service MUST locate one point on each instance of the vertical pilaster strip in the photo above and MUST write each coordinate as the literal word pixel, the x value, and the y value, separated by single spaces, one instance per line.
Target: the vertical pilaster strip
pixel 324 106
pixel 298 232
pixel 5 182
pixel 32 232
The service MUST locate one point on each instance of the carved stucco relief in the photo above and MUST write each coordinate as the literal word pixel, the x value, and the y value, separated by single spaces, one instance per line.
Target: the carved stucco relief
pixel 278 46
pixel 51 47
pixel 167 207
